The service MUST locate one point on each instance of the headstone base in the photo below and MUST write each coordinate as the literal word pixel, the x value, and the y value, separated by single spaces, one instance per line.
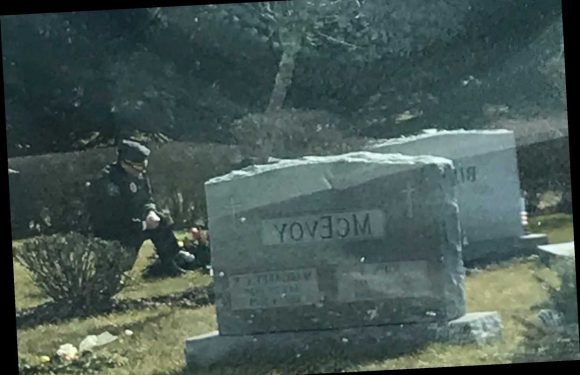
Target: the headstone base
pixel 532 241
pixel 211 349
pixel 475 328
pixel 549 253
pixel 485 252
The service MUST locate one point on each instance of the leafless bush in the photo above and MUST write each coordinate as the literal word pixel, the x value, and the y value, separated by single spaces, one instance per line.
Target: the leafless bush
pixel 292 133
pixel 85 272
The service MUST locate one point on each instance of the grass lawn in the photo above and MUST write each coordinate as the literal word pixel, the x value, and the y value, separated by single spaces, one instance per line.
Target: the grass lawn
pixel 558 227
pixel 157 345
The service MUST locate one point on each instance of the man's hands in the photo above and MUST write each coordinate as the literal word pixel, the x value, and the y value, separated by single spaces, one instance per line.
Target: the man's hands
pixel 152 220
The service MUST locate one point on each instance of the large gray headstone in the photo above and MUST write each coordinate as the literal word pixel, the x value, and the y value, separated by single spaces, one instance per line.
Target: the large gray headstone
pixel 487 178
pixel 362 239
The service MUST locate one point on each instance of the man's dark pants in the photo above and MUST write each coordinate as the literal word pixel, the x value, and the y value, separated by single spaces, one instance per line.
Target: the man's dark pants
pixel 162 237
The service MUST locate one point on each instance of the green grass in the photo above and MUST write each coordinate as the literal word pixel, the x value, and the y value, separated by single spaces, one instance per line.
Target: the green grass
pixel 157 346
pixel 138 287
pixel 160 333
pixel 558 227
pixel 26 293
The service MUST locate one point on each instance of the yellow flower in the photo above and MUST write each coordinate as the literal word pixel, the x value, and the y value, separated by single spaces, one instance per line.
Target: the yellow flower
pixel 180 243
pixel 44 359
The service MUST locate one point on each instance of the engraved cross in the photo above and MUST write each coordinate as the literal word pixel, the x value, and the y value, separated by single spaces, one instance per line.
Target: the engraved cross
pixel 233 206
pixel 409 191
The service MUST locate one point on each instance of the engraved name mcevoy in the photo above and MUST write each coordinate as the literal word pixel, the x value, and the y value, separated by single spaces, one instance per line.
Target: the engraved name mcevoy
pixel 327 226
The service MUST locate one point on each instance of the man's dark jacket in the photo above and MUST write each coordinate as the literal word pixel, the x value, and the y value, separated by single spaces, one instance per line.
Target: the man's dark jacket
pixel 119 203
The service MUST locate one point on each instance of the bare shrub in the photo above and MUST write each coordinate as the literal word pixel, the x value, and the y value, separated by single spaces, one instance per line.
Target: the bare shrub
pixel 292 133
pixel 178 171
pixel 85 272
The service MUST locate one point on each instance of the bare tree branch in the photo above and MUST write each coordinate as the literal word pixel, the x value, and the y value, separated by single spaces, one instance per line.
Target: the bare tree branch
pixel 337 41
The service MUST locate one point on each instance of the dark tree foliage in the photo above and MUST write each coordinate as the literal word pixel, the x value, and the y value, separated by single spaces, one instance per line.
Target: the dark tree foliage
pixel 57 88
pixel 82 79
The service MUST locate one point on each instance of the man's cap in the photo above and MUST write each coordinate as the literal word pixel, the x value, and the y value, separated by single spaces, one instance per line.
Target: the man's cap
pixel 133 151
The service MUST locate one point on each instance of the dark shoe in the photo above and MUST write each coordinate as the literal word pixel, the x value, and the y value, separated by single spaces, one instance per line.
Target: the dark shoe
pixel 159 269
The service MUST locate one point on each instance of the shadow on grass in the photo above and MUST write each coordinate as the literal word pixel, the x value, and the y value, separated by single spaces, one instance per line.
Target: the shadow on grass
pixel 139 325
pixel 319 366
pixel 313 363
pixel 55 313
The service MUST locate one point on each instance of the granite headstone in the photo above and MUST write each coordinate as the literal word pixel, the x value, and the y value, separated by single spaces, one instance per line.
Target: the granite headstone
pixel 488 184
pixel 341 249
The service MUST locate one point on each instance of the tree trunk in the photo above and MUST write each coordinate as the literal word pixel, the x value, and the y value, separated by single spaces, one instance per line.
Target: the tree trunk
pixel 291 44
